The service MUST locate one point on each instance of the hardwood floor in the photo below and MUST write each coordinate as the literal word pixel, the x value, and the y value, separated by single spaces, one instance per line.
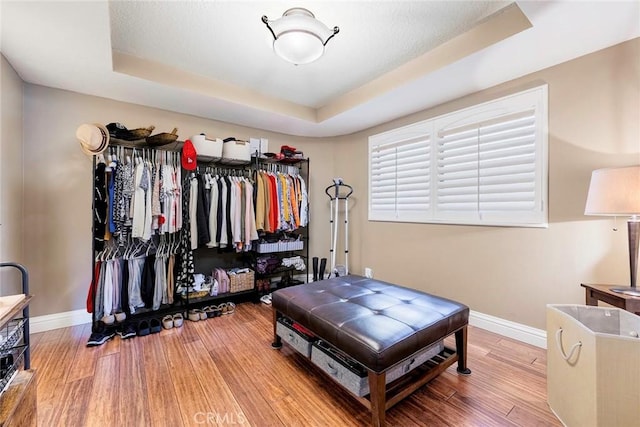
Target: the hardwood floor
pixel 222 371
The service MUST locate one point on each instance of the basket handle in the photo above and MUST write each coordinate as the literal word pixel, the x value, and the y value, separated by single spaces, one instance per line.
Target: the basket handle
pixel 559 343
pixel 332 370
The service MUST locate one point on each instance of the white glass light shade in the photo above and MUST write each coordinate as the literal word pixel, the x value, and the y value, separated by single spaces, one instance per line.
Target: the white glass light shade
pixel 298 47
pixel 299 38
pixel 614 192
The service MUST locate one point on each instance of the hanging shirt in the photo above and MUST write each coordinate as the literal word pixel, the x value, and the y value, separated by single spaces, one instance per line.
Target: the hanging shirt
pixel 137 203
pixel 202 212
pixel 250 219
pixel 100 206
pixel 213 213
pixel 228 209
pixel 148 190
pixel 304 204
pixel 156 211
pixel 274 209
pixel 160 282
pixel 135 281
pixel 186 266
pixel 293 203
pixel 193 213
pixel 260 202
pixel 128 190
pixel 222 224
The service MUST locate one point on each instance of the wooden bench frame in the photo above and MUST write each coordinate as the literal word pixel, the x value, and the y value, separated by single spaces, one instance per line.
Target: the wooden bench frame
pixel 384 396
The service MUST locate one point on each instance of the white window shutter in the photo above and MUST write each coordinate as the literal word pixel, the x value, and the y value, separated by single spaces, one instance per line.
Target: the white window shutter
pixel 399 174
pixel 507 179
pixel 484 165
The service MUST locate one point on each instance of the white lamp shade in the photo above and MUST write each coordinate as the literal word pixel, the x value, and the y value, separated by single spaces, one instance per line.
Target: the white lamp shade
pixel 299 38
pixel 614 192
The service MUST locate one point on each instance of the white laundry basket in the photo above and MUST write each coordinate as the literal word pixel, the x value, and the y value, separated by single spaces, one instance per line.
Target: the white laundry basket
pixel 593 365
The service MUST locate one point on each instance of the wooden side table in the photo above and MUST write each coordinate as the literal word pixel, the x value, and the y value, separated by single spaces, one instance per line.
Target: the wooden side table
pixel 595 293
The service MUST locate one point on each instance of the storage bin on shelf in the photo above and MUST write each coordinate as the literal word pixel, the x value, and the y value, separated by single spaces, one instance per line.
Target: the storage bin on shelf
pixel 295 245
pixel 235 152
pixel 200 291
pixel 241 280
pixel 196 294
pixel 264 248
pixel 207 150
pixel 283 246
pixel 593 374
pixel 280 246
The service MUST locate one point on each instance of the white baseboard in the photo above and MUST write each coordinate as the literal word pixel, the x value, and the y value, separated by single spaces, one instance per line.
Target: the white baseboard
pixel 510 329
pixel 494 324
pixel 58 320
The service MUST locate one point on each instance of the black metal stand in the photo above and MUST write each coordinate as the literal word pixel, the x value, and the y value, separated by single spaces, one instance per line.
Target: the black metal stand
pixel 633 227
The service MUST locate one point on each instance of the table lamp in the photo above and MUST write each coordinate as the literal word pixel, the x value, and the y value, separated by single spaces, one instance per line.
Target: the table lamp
pixel 616 192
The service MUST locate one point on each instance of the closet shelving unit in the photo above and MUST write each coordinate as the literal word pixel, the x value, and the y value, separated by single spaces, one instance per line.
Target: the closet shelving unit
pixel 285 276
pixel 179 305
pixel 17 380
pixel 205 259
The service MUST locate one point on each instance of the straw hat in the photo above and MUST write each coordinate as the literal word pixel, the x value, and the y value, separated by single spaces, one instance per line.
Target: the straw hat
pixel 93 138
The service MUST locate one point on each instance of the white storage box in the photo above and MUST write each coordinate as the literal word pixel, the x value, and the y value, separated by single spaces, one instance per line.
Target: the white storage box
pixel 236 153
pixel 258 146
pixel 207 150
pixel 353 376
pixel 593 365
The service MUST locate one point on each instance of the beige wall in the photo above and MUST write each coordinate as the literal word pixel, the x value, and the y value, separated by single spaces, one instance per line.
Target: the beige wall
pixel 512 273
pixel 505 272
pixel 11 163
pixel 58 183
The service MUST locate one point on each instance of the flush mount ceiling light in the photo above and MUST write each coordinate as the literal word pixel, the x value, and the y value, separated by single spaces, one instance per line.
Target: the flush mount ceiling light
pixel 298 37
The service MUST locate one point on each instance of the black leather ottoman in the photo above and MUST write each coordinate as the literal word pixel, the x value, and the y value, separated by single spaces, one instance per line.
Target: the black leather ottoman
pixel 377 324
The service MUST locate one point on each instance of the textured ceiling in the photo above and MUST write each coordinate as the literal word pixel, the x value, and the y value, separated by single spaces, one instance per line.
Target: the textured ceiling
pixel 213 59
pixel 227 40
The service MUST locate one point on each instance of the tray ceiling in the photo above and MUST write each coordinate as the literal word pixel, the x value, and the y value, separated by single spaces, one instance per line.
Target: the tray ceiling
pixel 213 59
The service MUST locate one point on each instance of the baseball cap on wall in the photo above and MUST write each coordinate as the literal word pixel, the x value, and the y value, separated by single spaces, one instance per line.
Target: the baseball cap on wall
pixel 188 158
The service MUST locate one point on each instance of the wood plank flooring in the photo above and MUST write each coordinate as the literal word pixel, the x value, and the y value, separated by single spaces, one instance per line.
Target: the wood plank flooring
pixel 222 371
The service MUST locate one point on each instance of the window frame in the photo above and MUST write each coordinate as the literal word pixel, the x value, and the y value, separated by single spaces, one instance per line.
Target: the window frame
pixel 534 100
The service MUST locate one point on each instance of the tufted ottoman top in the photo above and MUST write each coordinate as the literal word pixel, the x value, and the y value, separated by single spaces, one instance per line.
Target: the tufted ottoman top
pixel 376 323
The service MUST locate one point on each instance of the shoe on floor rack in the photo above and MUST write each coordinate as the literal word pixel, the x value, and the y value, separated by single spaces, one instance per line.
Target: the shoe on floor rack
pixel 128 330
pixel 101 335
pixel 266 299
